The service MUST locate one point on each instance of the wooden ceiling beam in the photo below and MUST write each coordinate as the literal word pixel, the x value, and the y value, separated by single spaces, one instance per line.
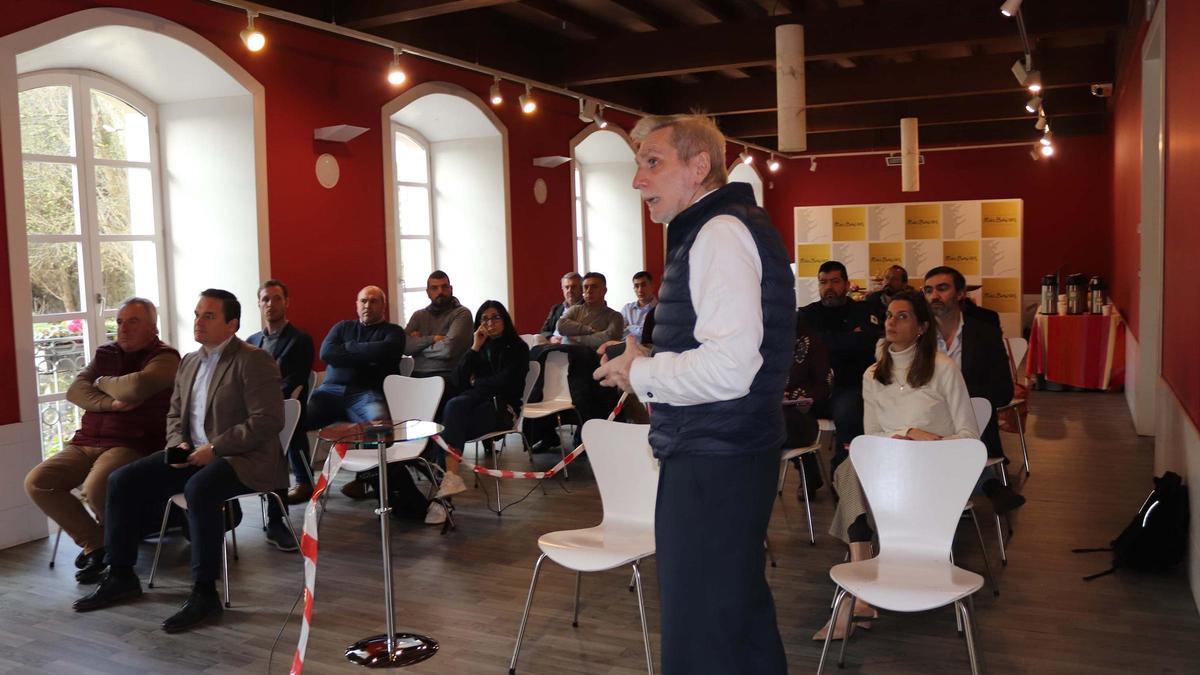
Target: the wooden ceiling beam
pixel 971 109
pixel 1067 67
pixel 1005 131
pixel 848 32
pixel 373 15
pixel 649 14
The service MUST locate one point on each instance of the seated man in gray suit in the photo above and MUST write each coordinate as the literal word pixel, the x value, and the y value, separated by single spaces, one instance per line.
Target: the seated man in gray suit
pixel 226 413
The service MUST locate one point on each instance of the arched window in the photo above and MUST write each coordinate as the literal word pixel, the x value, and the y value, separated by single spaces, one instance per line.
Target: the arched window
pixel 744 173
pixel 448 197
pixel 608 211
pixel 89 157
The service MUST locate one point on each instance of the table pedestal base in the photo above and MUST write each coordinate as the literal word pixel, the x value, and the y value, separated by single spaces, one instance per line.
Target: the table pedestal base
pixel 407 649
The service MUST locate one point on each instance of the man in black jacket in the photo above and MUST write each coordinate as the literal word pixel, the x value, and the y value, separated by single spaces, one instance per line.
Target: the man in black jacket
pixel 849 332
pixel 292 350
pixel 977 346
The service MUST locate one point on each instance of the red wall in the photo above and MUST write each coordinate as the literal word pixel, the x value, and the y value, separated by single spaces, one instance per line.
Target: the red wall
pixel 326 244
pixel 1181 236
pixel 1068 215
pixel 1126 188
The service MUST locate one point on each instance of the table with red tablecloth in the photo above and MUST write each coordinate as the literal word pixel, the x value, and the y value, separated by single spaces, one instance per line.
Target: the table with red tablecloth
pixel 1078 350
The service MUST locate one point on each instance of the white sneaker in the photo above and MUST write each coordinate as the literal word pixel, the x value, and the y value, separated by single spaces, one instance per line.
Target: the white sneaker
pixel 435 514
pixel 451 485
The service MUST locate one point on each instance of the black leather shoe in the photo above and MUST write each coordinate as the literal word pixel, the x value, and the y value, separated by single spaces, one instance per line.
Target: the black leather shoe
pixel 1003 498
pixel 113 588
pixel 199 608
pixel 92 569
pixel 80 560
pixel 281 537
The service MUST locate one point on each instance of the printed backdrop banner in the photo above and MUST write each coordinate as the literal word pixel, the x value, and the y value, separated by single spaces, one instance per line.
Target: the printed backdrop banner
pixel 980 238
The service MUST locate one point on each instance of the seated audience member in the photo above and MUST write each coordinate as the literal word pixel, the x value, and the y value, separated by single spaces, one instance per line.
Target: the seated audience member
pixel 914 392
pixel 226 412
pixel 491 377
pixel 895 279
pixel 292 350
pixel 572 290
pixel 977 347
pixel 972 310
pixel 124 393
pixel 592 323
pixel 438 335
pixel 809 382
pixel 849 332
pixel 635 313
pixel 358 355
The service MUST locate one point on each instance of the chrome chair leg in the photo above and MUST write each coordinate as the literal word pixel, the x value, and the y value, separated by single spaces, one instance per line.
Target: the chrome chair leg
pixel 537 567
pixel 228 518
pixel 162 532
pixel 846 634
pixel 1021 435
pixel 578 583
pixel 987 568
pixel 54 552
pixel 225 566
pixel 637 577
pixel 968 630
pixel 837 604
pixel 812 537
pixel 262 511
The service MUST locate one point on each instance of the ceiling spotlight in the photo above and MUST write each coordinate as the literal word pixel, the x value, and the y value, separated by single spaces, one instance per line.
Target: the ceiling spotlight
pixel 1020 70
pixel 1033 82
pixel 528 105
pixel 773 163
pixel 494 93
pixel 1010 7
pixel 599 117
pixel 253 37
pixel 1047 138
pixel 1042 124
pixel 746 157
pixel 1034 104
pixel 395 74
pixel 812 164
pixel 1035 152
pixel 1047 150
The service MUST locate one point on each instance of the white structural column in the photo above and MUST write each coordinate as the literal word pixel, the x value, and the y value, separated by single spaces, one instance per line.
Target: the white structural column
pixel 910 173
pixel 789 88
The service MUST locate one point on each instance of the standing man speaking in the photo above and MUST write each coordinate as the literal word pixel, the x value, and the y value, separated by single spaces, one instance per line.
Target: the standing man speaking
pixel 723 336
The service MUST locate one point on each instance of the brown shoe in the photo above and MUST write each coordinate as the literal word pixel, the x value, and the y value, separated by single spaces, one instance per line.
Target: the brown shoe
pixel 355 489
pixel 299 493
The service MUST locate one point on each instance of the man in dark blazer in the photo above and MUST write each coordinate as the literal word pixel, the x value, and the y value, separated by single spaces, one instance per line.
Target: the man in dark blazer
pixel 226 414
pixel 292 350
pixel 572 289
pixel 977 346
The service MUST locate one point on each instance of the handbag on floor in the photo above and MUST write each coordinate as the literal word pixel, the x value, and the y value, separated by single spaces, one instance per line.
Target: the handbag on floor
pixel 1156 539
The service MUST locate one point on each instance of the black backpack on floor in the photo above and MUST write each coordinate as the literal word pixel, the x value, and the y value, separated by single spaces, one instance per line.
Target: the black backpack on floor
pixel 1156 539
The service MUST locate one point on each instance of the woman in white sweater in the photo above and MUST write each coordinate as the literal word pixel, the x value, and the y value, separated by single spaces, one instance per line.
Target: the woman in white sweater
pixel 913 392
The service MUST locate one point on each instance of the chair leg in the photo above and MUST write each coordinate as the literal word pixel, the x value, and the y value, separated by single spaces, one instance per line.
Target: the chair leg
pixel 812 537
pixel 987 569
pixel 782 477
pixel 969 631
pixel 496 466
pixel 537 567
pixel 631 580
pixel 637 577
pixel 562 445
pixel 846 634
pixel 228 513
pixel 1000 538
pixel 54 552
pixel 837 604
pixel 162 532
pixel 1021 435
pixel 578 584
pixel 225 566
pixel 262 511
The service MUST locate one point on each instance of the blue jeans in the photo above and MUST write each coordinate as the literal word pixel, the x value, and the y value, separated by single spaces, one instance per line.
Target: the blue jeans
pixel 331 403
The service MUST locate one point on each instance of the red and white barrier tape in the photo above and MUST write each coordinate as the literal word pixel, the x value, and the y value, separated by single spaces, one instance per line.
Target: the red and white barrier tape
pixel 308 538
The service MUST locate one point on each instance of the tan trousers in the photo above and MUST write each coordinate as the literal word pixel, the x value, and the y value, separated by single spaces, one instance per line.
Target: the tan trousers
pixel 49 485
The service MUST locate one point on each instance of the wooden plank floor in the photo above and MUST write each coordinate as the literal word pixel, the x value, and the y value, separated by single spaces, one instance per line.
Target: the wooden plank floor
pixel 1090 472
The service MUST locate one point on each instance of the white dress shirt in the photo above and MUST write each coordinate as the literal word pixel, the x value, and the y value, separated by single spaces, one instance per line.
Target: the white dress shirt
pixel 204 374
pixel 954 349
pixel 725 282
pixel 635 317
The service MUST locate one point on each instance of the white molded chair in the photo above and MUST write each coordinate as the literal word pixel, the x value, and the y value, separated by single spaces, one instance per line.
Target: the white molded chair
pixel 535 369
pixel 408 398
pixel 983 415
pixel 556 398
pixel 1018 348
pixel 824 437
pixel 291 415
pixel 916 490
pixel 627 476
pixel 533 339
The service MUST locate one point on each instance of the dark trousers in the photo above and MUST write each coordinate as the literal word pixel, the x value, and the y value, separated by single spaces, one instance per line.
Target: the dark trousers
pixel 845 408
pixel 150 480
pixel 468 416
pixel 710 522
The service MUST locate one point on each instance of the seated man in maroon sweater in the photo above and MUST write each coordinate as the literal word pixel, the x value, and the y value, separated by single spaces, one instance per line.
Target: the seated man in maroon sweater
pixel 124 392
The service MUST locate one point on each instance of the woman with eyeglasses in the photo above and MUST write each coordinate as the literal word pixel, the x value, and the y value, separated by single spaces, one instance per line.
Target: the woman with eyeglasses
pixel 491 378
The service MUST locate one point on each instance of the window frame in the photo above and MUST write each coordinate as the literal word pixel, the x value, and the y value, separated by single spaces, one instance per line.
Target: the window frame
pixel 418 138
